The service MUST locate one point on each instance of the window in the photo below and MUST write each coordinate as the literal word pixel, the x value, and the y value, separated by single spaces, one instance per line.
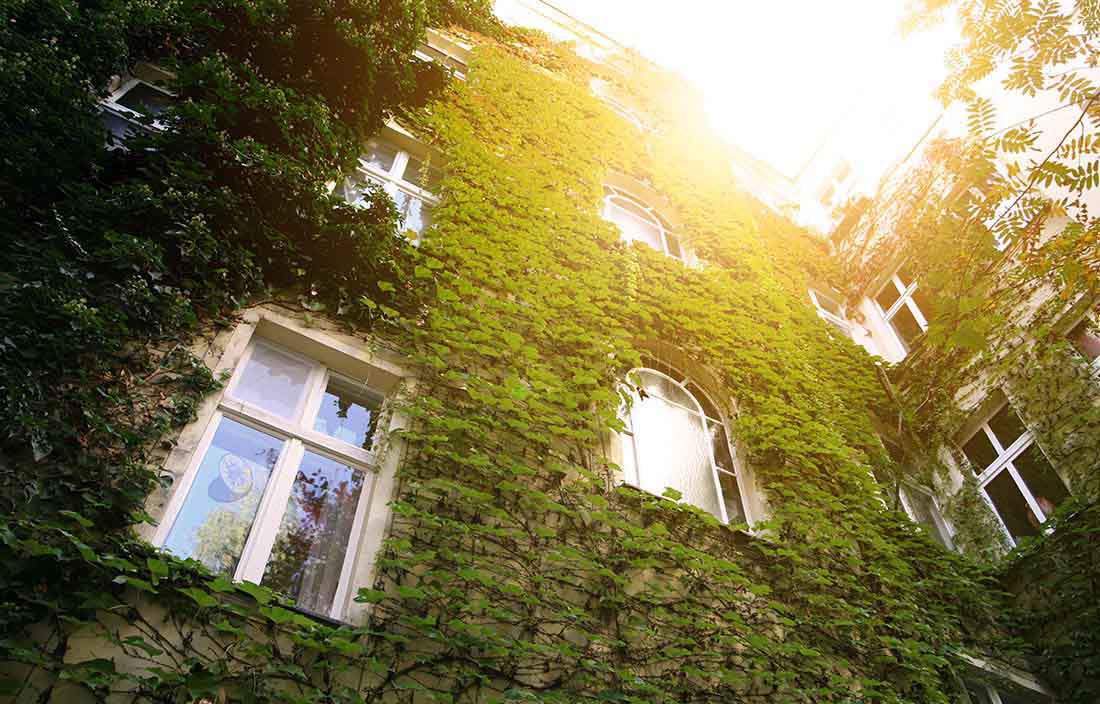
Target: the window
pixel 639 223
pixel 446 51
pixel 677 439
pixel 1085 338
pixel 830 309
pixel 134 106
pixel 1012 471
pixel 902 306
pixel 981 693
pixel 408 178
pixel 277 490
pixel 923 509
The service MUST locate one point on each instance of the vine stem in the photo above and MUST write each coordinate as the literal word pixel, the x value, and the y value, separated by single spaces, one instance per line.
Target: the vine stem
pixel 1036 171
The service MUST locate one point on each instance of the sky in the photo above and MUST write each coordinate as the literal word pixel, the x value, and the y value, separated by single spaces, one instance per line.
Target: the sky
pixel 779 77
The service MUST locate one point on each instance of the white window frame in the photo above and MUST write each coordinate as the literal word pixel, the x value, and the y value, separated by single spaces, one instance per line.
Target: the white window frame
pixel 1022 680
pixel 297 436
pixel 839 321
pixel 612 192
pixel 630 452
pixel 393 180
pixel 905 298
pixel 942 526
pixel 1005 457
pixel 441 48
pixel 133 116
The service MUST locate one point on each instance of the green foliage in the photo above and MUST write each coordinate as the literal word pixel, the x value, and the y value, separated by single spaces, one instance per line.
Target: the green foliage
pixel 517 569
pixel 998 230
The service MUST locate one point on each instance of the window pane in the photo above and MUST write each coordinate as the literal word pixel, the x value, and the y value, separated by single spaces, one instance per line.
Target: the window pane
pixel 887 296
pixel 119 127
pixel 309 550
pixel 146 99
pixel 731 496
pixel 1085 341
pixel 347 415
pixel 980 451
pixel 420 174
pixel 906 325
pixel 1007 426
pixel 379 155
pixel 414 214
pixel 674 451
pixel 1045 484
pixel 1012 506
pixel 720 444
pixel 217 514
pixel 272 381
pixel 663 387
pixel 636 224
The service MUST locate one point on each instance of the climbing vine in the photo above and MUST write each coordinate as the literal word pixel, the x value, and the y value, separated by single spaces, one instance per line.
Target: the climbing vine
pixel 519 567
pixel 996 227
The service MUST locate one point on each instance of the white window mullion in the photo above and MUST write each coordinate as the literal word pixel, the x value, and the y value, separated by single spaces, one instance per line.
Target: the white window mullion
pixel 714 467
pixel 995 441
pixel 1022 486
pixel 261 539
pixel 916 312
pixel 315 394
pixel 400 163
pixel 892 310
pixel 352 551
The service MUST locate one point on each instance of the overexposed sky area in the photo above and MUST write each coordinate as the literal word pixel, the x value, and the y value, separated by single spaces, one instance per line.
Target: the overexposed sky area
pixel 781 76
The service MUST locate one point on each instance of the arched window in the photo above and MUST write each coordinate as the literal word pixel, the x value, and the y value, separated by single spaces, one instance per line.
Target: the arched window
pixel 639 223
pixel 676 439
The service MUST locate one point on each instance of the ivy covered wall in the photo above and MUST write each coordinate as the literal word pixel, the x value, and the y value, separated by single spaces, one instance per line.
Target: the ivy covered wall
pixel 518 566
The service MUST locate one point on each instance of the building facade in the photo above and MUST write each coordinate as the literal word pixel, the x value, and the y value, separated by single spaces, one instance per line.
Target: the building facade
pixel 546 408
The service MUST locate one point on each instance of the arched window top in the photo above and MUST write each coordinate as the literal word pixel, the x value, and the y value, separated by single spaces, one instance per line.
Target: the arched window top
pixel 677 439
pixel 639 222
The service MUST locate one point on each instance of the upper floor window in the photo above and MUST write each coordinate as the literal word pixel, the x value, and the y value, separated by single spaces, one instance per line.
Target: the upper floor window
pixel 676 439
pixel 639 223
pixel 830 309
pixel 277 490
pixel 407 175
pixel 903 307
pixel 1085 338
pixel 134 106
pixel 1014 474
pixel 447 51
